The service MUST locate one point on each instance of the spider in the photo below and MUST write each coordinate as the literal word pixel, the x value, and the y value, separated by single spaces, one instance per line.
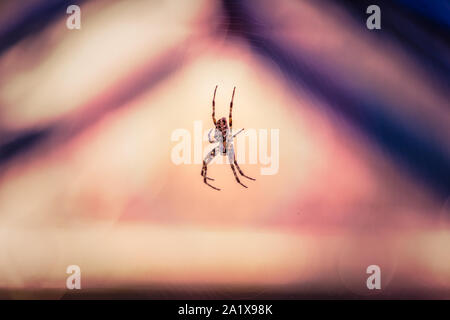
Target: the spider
pixel 222 134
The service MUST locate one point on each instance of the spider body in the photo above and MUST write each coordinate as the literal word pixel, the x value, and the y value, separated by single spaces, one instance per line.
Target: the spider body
pixel 223 135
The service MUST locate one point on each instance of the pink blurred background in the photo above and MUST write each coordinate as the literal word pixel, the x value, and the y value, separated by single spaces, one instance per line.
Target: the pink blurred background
pixel 86 175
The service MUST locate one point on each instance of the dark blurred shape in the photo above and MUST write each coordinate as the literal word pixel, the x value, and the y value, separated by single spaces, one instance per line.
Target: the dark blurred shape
pixel 422 27
pixel 137 82
pixel 406 139
pixel 21 142
pixel 31 20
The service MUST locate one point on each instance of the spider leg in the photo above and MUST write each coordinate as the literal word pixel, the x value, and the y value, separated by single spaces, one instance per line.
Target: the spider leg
pixel 240 171
pixel 230 120
pixel 236 176
pixel 203 173
pixel 207 160
pixel 234 135
pixel 214 107
pixel 209 137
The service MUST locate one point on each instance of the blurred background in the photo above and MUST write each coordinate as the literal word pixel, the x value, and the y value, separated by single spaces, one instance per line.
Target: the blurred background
pixel 86 176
